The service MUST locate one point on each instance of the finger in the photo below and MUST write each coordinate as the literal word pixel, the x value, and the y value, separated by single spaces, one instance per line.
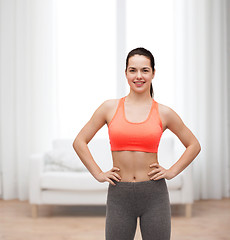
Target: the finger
pixel 113 177
pixel 155 177
pixel 110 181
pixel 158 174
pixel 158 178
pixel 154 165
pixel 115 169
pixel 154 171
pixel 117 175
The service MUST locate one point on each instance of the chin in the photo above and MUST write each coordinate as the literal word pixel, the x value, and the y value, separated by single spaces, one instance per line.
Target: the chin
pixel 140 91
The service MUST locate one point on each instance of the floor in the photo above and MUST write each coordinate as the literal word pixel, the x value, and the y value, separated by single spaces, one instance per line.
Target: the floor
pixel 210 220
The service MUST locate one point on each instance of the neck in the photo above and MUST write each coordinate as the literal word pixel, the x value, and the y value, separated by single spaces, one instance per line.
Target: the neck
pixel 139 97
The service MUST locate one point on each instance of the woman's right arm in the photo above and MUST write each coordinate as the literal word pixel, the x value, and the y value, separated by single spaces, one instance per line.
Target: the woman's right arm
pixel 80 145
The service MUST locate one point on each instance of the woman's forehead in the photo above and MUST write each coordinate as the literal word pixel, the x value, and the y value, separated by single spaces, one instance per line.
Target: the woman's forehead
pixel 138 60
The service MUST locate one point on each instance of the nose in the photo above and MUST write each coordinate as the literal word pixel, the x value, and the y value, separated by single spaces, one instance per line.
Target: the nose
pixel 139 76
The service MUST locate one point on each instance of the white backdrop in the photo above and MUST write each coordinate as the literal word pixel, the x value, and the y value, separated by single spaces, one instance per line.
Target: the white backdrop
pixel 86 61
pixel 28 88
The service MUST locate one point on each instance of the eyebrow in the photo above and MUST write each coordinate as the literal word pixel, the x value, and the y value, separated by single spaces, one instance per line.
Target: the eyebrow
pixel 135 68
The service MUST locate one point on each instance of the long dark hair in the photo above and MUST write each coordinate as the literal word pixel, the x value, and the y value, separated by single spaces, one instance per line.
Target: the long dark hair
pixel 146 53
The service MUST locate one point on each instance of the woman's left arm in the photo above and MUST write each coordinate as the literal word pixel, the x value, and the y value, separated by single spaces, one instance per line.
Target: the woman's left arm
pixel 176 125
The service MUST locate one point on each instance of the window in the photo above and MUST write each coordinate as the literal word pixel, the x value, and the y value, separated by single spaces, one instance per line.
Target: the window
pixel 86 60
pixel 150 25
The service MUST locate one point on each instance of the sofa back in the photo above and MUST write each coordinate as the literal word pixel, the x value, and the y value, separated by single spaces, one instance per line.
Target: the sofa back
pixel 100 149
pixel 166 154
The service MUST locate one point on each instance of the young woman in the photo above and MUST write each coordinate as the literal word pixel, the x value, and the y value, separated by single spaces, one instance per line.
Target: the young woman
pixel 137 186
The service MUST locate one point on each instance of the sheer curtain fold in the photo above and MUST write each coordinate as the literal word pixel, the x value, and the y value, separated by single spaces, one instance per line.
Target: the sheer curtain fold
pixel 201 75
pixel 27 98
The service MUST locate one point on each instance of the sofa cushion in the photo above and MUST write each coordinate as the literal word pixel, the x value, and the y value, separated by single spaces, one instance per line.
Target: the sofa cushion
pixel 85 181
pixel 71 181
pixel 63 160
pixel 99 148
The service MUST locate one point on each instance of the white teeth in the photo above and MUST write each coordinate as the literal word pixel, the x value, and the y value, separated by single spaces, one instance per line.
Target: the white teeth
pixel 139 83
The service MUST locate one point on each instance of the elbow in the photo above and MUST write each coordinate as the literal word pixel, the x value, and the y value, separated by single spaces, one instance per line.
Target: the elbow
pixel 76 143
pixel 198 147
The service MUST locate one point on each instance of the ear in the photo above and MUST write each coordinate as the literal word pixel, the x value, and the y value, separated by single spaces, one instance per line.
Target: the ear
pixel 154 73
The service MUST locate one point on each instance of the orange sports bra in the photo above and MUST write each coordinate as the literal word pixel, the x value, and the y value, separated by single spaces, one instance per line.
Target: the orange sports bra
pixel 129 136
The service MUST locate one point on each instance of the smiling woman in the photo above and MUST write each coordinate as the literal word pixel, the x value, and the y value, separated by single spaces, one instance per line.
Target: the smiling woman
pixel 138 71
pixel 136 122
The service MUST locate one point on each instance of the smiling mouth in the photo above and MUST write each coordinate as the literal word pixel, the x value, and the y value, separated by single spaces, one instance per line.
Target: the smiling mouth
pixel 139 83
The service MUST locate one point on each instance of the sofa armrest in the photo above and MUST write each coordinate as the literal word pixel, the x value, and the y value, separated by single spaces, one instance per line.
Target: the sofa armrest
pixel 36 168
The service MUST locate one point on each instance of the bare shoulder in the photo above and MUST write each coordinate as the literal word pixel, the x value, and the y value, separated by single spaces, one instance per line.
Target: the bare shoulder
pixel 163 109
pixel 170 119
pixel 109 108
pixel 110 104
pixel 175 124
pixel 166 111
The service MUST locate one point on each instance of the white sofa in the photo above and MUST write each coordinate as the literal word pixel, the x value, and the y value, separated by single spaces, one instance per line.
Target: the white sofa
pixel 58 177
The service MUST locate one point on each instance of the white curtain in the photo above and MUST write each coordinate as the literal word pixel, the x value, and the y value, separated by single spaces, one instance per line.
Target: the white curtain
pixel 202 89
pixel 27 89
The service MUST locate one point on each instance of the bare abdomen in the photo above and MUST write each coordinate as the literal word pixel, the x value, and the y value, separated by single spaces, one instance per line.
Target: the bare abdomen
pixel 134 166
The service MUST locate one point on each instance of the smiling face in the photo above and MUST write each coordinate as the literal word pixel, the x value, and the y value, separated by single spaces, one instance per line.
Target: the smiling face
pixel 139 73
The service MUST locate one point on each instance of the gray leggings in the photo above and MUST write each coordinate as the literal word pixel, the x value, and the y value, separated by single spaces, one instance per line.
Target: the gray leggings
pixel 127 201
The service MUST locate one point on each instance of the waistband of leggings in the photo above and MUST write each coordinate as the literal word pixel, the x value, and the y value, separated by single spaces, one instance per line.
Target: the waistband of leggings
pixel 141 183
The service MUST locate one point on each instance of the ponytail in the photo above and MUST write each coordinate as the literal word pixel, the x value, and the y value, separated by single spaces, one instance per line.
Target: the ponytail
pixel 151 90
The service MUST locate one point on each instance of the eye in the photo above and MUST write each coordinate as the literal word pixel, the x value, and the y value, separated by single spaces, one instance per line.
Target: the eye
pixel 132 70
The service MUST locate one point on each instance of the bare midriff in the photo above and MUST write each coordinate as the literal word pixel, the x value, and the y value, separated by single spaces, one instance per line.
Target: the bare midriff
pixel 134 166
